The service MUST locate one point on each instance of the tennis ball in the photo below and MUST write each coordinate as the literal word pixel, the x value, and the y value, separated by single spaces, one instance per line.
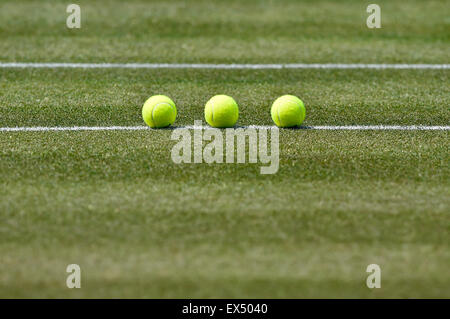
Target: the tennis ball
pixel 159 111
pixel 288 111
pixel 221 111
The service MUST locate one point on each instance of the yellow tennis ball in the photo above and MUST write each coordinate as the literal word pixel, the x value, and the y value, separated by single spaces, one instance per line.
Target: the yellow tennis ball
pixel 221 111
pixel 288 111
pixel 159 111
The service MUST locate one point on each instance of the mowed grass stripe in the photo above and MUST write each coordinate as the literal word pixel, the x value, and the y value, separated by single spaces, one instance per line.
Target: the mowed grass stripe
pixel 114 97
pixel 140 225
pixel 253 31
pixel 304 155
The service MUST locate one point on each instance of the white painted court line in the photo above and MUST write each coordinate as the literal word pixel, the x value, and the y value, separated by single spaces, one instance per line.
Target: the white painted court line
pixel 221 66
pixel 139 128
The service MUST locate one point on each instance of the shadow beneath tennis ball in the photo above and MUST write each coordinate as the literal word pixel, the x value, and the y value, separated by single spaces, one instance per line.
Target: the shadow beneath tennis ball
pixel 302 127
pixel 175 127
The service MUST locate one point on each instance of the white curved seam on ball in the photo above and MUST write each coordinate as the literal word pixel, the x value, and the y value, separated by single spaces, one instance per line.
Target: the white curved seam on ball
pixel 212 112
pixel 291 98
pixel 278 115
pixel 153 109
pixel 300 109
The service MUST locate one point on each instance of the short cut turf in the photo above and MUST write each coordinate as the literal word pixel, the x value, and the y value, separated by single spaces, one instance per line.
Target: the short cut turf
pixel 141 226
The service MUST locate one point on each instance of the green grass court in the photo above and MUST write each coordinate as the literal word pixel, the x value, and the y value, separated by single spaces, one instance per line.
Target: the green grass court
pixel 141 226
